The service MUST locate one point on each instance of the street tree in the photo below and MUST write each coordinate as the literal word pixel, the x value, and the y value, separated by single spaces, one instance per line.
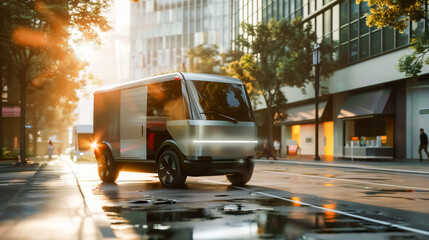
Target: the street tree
pixel 40 33
pixel 397 14
pixel 279 55
pixel 204 59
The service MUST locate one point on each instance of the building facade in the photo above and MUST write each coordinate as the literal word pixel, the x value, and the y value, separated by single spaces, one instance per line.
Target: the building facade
pixel 162 31
pixel 372 110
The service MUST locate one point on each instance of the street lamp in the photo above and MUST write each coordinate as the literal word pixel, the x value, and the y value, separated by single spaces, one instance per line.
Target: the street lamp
pixel 316 63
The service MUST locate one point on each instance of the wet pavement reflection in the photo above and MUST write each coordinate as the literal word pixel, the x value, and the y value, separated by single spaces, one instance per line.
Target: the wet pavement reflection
pixel 226 213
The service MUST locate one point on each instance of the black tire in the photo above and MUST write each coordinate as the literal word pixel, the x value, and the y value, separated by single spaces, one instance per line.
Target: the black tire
pixel 106 167
pixel 240 179
pixel 169 171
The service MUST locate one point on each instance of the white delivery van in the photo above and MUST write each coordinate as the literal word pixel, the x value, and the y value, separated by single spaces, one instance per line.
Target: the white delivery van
pixel 81 143
pixel 178 125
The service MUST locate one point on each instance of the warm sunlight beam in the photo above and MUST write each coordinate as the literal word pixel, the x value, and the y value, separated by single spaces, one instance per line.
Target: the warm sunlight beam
pixel 84 51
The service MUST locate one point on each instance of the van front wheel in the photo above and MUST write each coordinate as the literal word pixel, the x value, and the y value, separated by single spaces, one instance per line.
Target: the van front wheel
pixel 240 179
pixel 106 168
pixel 169 170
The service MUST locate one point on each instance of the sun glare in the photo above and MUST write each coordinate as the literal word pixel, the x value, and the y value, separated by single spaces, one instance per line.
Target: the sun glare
pixel 84 51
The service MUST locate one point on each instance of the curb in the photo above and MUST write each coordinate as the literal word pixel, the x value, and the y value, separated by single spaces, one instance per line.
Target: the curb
pixel 341 165
pixel 102 224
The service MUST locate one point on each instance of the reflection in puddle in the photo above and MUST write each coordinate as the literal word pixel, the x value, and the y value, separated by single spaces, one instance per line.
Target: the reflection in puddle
pixel 258 218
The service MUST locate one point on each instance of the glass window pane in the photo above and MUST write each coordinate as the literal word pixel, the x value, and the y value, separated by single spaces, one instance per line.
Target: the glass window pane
pixel 220 101
pixel 298 3
pixel 312 7
pixel 319 27
pixel 353 51
pixel 418 28
pixel 335 38
pixel 305 10
pixel 344 50
pixel 327 38
pixel 364 8
pixel 165 99
pixel 364 47
pixel 363 28
pixel 335 17
pixel 402 38
pixel 354 10
pixel 327 22
pixel 353 30
pixel 388 38
pixel 344 12
pixel 319 4
pixel 376 42
pixel 335 56
pixel 344 35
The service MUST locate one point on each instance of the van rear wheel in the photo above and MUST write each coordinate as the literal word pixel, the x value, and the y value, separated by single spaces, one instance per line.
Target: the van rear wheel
pixel 240 179
pixel 169 170
pixel 106 167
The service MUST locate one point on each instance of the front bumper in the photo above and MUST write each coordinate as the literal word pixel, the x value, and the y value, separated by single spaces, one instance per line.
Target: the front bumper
pixel 206 166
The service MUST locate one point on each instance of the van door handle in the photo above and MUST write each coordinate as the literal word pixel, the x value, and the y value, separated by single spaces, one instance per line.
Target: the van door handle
pixel 142 130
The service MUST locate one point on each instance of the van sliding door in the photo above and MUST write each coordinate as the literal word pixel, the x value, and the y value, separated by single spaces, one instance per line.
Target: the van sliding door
pixel 133 123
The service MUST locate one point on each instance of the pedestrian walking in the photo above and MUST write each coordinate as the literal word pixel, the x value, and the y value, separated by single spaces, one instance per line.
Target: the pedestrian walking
pixel 276 145
pixel 267 151
pixel 423 144
pixel 50 149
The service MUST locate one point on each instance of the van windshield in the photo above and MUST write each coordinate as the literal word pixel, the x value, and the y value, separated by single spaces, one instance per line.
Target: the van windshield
pixel 220 101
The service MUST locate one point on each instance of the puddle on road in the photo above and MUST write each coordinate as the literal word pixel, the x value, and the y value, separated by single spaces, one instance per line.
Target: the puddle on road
pixel 254 218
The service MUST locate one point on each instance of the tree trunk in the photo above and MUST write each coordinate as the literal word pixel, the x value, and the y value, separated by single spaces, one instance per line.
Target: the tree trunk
pixel 270 124
pixel 1 112
pixel 23 86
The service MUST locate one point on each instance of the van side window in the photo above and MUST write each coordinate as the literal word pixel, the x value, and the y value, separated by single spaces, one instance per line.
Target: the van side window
pixel 165 100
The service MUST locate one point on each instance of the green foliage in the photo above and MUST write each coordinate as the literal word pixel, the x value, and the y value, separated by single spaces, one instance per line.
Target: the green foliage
pixel 412 64
pixel 35 43
pixel 396 14
pixel 280 54
pixel 204 59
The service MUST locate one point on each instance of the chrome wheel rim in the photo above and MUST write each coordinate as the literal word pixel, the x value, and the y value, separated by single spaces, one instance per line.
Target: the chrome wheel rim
pixel 167 169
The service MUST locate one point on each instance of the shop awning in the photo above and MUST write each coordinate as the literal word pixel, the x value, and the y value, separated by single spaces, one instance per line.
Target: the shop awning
pixel 365 104
pixel 306 113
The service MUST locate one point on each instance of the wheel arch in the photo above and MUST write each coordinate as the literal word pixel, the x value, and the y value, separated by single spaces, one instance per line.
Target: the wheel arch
pixel 170 144
pixel 101 146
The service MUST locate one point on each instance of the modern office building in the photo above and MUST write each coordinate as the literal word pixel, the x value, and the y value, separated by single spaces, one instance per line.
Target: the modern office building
pixel 162 31
pixel 372 110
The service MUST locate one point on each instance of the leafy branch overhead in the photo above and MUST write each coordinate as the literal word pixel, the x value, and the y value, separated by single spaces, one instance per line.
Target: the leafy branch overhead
pixel 279 54
pixel 37 56
pixel 397 14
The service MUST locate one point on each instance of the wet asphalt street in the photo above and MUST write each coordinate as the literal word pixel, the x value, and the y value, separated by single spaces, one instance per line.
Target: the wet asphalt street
pixel 282 201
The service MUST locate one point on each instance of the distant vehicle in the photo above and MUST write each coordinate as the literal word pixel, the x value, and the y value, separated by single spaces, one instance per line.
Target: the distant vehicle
pixel 178 125
pixel 82 140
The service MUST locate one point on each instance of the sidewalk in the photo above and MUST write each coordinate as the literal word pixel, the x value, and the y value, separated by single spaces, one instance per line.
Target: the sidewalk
pixel 392 165
pixel 48 206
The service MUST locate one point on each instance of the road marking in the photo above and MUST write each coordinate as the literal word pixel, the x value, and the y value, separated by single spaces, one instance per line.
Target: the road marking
pixel 405 228
pixel 348 180
pixel 339 165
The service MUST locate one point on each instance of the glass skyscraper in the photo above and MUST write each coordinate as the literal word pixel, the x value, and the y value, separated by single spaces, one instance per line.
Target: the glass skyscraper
pixel 163 30
pixel 372 110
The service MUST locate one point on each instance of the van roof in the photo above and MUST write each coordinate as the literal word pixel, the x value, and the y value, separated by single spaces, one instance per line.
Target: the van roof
pixel 169 77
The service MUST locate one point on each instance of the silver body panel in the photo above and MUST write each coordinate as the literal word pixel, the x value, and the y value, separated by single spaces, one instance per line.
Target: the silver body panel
pixel 217 139
pixel 133 123
pixel 127 134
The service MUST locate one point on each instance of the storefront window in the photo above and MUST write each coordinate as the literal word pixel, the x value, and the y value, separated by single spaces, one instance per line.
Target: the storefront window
pixel 376 42
pixel 370 132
